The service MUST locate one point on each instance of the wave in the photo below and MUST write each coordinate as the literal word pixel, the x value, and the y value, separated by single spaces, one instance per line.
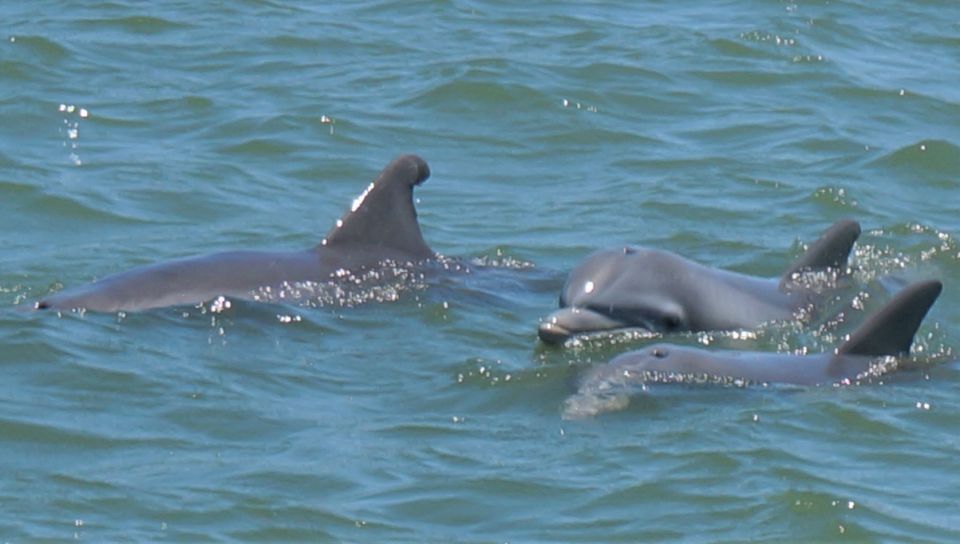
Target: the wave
pixel 936 157
pixel 136 24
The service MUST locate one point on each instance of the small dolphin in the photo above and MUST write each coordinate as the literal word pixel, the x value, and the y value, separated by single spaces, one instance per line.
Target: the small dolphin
pixel 661 291
pixel 887 332
pixel 381 225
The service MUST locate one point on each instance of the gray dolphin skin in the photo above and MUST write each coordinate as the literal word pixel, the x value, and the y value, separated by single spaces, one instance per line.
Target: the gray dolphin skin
pixel 888 332
pixel 381 225
pixel 661 291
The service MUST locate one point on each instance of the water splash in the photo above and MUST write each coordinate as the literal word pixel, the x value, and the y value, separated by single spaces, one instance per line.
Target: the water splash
pixel 71 129
pixel 349 288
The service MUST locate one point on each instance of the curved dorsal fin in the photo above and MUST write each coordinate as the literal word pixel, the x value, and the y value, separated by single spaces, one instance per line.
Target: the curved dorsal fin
pixel 384 215
pixel 890 330
pixel 831 250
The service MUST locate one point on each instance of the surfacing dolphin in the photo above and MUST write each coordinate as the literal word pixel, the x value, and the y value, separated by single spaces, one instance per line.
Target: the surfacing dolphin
pixel 661 291
pixel 380 226
pixel 889 332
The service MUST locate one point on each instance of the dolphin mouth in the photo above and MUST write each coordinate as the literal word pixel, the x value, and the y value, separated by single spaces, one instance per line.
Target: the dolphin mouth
pixel 552 333
pixel 564 323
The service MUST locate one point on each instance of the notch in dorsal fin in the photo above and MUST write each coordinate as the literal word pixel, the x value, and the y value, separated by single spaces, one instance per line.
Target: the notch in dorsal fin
pixel 890 330
pixel 831 250
pixel 384 214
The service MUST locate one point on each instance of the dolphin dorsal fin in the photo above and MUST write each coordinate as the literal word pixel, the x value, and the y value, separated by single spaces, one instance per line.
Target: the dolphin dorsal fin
pixel 890 330
pixel 384 215
pixel 831 250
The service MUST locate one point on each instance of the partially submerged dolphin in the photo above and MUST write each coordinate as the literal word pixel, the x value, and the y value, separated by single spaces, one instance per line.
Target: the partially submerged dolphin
pixel 661 291
pixel 380 226
pixel 887 332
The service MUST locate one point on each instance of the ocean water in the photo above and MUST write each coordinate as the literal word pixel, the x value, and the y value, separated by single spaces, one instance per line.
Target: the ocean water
pixel 729 132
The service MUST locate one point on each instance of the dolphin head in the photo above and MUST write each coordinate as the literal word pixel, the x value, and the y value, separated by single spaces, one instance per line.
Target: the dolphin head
pixel 632 367
pixel 609 386
pixel 620 288
pixel 661 363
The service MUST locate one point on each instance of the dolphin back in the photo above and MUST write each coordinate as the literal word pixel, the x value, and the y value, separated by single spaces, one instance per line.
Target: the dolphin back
pixel 384 215
pixel 831 250
pixel 380 225
pixel 890 330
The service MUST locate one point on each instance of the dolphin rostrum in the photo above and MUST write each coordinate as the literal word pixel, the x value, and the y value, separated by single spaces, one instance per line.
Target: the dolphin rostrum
pixel 661 291
pixel 887 332
pixel 380 226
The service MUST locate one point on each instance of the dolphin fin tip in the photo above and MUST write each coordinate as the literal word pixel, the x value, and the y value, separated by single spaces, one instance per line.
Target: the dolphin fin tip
pixel 384 215
pixel 417 164
pixel 831 250
pixel 891 330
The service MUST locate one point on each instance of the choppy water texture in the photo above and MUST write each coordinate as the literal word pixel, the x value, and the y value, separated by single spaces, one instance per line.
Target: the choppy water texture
pixel 729 132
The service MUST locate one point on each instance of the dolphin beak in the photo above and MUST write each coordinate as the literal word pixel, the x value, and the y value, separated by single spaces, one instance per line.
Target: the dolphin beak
pixel 552 333
pixel 557 327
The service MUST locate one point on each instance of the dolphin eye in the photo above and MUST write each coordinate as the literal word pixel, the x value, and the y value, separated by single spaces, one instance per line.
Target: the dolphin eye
pixel 671 323
pixel 659 353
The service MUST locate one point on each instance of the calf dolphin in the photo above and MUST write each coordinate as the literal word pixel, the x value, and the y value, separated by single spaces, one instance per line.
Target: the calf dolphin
pixel 661 291
pixel 887 332
pixel 381 225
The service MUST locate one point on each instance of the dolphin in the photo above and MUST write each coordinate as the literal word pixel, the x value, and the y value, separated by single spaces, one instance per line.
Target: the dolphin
pixel 381 226
pixel 660 291
pixel 888 332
